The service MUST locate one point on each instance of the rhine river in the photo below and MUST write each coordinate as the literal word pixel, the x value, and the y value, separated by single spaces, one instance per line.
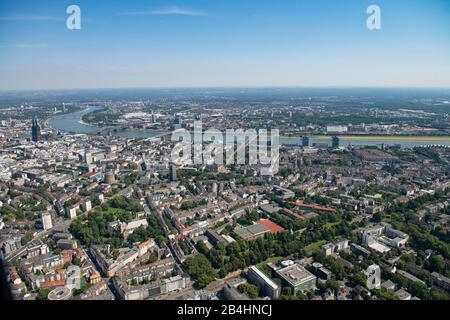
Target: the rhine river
pixel 72 123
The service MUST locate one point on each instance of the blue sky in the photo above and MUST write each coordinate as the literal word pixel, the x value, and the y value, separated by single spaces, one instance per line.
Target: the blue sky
pixel 202 43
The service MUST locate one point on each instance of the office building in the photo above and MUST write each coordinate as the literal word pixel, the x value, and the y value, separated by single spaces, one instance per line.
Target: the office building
pixel 172 172
pixel 264 283
pixel 440 281
pixel 87 157
pixel 298 278
pixel 337 129
pixel 71 212
pixel 86 206
pixel 47 220
pixel 66 244
pixel 305 141
pixel 335 142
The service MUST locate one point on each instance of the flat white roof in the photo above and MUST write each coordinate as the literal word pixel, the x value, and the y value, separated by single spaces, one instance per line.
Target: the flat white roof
pixel 264 277
pixel 377 246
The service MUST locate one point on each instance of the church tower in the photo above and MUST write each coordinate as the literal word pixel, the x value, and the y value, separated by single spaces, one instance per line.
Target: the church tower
pixel 35 131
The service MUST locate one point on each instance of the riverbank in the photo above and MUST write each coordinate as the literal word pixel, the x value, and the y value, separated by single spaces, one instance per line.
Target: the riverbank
pixel 74 123
pixel 389 138
pixel 86 123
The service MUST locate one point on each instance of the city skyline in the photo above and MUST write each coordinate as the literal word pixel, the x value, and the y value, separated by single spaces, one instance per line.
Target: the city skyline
pixel 174 44
pixel 350 201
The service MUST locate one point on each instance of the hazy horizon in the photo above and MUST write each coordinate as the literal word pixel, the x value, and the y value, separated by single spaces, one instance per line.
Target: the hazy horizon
pixel 384 95
pixel 236 87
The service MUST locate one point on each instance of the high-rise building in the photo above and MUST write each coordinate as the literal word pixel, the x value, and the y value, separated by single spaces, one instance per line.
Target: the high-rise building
pixel 299 162
pixel 110 177
pixel 35 131
pixel 172 172
pixel 86 206
pixel 87 157
pixel 46 220
pixel 214 187
pixel 335 142
pixel 305 141
pixel 71 211
pixel 178 123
